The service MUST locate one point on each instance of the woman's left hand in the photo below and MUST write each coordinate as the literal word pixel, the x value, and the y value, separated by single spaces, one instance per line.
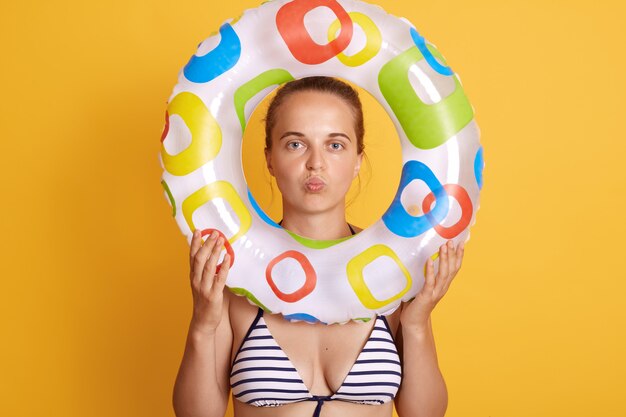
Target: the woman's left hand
pixel 416 313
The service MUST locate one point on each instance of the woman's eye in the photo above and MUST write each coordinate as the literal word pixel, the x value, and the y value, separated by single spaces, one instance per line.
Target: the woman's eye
pixel 337 147
pixel 293 143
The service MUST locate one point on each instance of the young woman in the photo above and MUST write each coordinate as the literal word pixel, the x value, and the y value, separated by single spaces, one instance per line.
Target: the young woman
pixel 314 149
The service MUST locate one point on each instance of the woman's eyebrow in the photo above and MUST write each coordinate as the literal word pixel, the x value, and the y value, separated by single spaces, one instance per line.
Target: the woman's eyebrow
pixel 300 134
pixel 290 133
pixel 340 134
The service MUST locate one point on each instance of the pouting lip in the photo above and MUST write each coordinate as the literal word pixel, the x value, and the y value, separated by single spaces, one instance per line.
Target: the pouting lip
pixel 314 181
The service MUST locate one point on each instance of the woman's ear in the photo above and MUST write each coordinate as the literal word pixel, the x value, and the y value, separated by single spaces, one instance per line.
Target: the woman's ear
pixel 357 167
pixel 268 161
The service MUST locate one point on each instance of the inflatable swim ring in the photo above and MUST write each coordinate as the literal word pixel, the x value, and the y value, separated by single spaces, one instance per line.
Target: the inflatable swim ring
pixel 329 281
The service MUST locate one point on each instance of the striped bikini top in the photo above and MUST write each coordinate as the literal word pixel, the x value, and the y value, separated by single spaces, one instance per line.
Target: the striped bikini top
pixel 262 375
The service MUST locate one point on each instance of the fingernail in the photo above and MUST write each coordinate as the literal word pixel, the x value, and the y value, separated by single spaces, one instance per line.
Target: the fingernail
pixel 213 234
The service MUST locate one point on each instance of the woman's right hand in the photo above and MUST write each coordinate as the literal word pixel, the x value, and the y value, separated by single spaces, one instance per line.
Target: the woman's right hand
pixel 206 286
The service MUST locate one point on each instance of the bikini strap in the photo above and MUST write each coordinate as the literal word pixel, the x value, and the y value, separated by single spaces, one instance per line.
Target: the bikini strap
pixel 388 327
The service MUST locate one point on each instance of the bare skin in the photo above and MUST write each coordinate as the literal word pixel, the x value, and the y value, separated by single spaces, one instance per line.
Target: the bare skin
pixel 313 138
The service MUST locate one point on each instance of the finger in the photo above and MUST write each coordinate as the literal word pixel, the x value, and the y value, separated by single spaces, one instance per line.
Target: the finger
pixel 443 268
pixel 222 274
pixel 429 282
pixel 208 275
pixel 201 257
pixel 454 266
pixel 451 262
pixel 444 290
pixel 451 257
pixel 459 258
pixel 448 282
pixel 196 241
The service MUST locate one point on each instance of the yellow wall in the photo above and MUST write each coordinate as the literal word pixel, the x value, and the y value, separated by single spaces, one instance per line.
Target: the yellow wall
pixel 95 298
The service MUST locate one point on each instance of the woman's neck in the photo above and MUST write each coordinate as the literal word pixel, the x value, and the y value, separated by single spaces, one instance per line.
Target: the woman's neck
pixel 318 227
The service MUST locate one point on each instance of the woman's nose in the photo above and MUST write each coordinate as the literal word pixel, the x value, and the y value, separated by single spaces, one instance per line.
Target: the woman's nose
pixel 316 159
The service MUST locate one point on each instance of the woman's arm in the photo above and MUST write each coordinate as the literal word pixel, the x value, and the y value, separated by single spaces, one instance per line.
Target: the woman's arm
pixel 423 391
pixel 202 385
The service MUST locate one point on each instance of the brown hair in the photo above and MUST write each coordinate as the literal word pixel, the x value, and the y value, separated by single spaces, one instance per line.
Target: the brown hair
pixel 322 84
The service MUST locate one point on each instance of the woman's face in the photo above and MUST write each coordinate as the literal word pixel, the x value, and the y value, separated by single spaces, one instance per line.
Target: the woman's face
pixel 314 151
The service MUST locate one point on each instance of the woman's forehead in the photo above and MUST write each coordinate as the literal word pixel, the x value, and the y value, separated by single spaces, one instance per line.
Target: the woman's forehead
pixel 314 109
pixel 313 98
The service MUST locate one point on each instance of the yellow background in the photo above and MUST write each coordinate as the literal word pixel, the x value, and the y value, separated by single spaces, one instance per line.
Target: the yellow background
pixel 95 298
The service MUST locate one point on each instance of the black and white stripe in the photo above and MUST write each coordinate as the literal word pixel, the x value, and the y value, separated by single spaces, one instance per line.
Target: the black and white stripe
pixel 263 376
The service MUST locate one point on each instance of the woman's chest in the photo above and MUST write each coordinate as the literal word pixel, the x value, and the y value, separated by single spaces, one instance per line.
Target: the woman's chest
pixel 323 356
